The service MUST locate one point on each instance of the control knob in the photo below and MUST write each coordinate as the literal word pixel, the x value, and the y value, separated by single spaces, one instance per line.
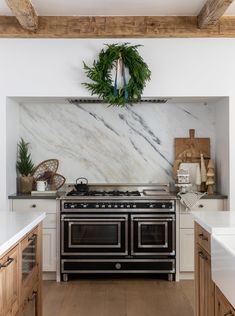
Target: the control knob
pixel 97 206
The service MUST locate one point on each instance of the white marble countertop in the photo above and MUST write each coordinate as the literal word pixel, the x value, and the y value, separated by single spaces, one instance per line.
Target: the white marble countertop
pixel 217 222
pixel 221 226
pixel 14 225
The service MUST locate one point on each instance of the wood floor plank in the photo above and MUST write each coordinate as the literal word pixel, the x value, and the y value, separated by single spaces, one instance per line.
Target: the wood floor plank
pixel 124 297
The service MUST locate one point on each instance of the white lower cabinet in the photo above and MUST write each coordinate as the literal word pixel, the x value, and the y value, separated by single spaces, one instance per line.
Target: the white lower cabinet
pixel 186 231
pixel 49 227
pixel 49 250
pixel 187 249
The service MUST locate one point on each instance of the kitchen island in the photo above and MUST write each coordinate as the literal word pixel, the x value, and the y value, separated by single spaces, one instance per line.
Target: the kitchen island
pixel 20 263
pixel 214 263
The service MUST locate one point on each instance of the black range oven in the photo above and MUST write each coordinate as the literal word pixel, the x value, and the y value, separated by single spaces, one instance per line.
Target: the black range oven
pixel 113 236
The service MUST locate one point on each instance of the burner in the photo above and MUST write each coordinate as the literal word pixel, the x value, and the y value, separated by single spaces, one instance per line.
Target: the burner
pixel 103 193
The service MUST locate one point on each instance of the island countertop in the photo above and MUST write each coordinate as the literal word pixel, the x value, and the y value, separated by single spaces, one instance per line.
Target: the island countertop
pixel 14 225
pixel 217 222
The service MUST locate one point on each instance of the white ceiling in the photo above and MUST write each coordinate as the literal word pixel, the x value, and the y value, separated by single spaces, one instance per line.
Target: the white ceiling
pixel 114 7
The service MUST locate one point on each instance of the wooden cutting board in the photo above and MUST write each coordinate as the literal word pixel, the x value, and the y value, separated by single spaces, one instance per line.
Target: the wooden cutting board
pixel 188 149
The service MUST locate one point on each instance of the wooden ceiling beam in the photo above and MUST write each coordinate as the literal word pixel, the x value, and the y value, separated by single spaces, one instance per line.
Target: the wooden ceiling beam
pixel 212 11
pixel 117 27
pixel 25 13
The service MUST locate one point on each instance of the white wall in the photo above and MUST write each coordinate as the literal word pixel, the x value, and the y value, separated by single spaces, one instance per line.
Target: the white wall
pixel 180 67
pixel 12 138
pixel 222 145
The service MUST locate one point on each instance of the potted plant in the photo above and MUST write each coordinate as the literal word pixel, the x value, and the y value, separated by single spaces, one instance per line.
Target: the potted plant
pixel 25 167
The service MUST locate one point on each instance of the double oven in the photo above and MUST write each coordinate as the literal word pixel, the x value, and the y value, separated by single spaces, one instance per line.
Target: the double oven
pixel 112 236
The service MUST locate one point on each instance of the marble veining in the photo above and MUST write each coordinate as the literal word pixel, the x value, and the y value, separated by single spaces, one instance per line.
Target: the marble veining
pixel 110 144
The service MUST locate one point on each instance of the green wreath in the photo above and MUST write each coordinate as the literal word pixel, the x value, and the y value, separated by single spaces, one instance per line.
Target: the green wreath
pixel 100 74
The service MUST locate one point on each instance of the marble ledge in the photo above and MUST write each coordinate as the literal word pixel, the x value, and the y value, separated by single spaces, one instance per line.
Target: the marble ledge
pixel 172 195
pixel 14 226
pixel 217 222
pixel 19 196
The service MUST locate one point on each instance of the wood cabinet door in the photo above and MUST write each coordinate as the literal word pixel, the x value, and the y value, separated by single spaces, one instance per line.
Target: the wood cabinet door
pixel 204 283
pixel 222 306
pixel 9 283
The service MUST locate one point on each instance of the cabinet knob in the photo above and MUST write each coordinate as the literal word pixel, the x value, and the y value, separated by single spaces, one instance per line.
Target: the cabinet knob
pixel 200 206
pixel 33 205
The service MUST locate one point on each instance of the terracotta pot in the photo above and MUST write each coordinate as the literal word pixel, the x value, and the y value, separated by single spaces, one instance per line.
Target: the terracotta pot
pixel 26 184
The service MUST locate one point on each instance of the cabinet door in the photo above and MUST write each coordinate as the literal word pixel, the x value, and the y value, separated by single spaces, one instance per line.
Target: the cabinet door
pixel 29 249
pixel 30 306
pixel 222 306
pixel 204 283
pixel 9 283
pixel 49 249
pixel 186 250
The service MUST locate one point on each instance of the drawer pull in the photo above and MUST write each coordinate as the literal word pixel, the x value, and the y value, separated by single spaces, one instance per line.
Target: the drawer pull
pixel 228 314
pixel 7 263
pixel 201 254
pixel 33 205
pixel 34 293
pixel 200 206
pixel 33 237
pixel 203 237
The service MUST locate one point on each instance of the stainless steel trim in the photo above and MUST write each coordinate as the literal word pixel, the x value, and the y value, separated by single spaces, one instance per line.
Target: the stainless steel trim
pixel 121 218
pixel 94 216
pixel 156 222
pixel 120 261
pixel 111 199
pixel 117 271
pixel 94 222
pixel 160 217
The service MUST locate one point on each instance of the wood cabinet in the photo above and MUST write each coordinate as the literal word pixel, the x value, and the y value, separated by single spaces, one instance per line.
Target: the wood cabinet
pixel 9 283
pixel 204 286
pixel 186 233
pixel 20 277
pixel 49 227
pixel 222 306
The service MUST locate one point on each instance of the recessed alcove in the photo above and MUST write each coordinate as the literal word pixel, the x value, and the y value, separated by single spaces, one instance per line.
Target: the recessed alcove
pixel 110 144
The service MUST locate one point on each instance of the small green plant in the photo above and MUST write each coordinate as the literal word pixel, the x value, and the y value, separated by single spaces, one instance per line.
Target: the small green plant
pixel 24 162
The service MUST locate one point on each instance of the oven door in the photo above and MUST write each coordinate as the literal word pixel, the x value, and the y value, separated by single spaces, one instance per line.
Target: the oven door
pixel 152 235
pixel 88 235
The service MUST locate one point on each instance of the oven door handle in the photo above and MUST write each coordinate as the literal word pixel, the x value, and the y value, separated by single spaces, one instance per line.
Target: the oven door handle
pixel 136 219
pixel 119 219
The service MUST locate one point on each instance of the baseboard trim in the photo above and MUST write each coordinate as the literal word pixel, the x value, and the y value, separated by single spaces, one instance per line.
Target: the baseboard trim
pixel 49 276
pixel 186 275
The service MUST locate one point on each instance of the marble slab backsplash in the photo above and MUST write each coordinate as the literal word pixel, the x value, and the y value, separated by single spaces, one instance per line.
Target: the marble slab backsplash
pixel 112 145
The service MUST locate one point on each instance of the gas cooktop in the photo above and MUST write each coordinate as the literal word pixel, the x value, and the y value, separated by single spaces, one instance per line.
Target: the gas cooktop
pixel 103 193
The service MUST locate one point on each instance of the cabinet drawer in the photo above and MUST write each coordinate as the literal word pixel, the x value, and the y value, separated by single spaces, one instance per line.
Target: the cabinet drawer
pixel 203 238
pixel 48 206
pixel 49 221
pixel 206 205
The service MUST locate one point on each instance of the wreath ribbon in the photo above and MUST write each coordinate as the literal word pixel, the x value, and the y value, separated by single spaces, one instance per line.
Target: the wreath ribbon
pixel 120 70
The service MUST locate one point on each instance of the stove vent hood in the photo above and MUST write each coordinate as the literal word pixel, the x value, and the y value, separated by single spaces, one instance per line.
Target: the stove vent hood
pixel 87 100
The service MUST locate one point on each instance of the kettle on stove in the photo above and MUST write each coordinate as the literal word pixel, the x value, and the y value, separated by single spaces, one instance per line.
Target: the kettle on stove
pixel 81 184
